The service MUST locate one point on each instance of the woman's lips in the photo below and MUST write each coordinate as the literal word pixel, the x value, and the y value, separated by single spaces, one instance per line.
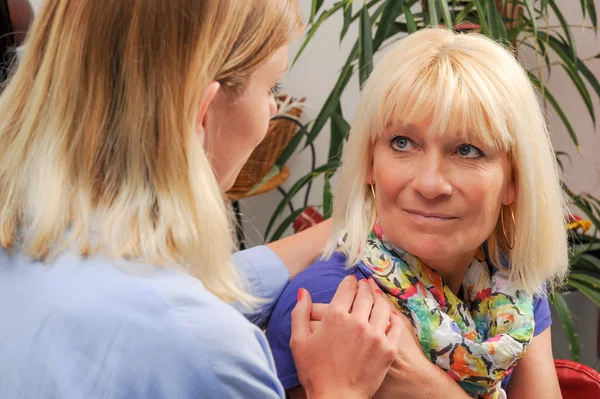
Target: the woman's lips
pixel 429 216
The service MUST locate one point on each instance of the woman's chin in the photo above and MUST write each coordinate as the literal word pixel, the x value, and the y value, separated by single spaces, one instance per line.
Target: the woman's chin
pixel 429 247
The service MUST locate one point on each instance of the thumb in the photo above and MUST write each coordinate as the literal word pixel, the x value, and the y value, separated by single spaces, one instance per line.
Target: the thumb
pixel 301 316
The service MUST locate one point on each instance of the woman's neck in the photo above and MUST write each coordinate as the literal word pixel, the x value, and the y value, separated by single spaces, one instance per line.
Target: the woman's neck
pixel 452 270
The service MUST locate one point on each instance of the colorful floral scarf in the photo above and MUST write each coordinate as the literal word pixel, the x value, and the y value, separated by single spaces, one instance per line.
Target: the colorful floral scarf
pixel 477 340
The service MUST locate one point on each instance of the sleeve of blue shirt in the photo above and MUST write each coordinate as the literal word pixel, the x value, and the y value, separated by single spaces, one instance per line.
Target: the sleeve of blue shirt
pixel 321 280
pixel 227 356
pixel 266 277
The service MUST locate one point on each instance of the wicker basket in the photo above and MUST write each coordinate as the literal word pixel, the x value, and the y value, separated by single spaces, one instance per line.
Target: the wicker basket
pixel 262 159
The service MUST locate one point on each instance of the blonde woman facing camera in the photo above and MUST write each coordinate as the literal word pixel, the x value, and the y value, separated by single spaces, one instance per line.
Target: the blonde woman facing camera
pixel 449 201
pixel 121 128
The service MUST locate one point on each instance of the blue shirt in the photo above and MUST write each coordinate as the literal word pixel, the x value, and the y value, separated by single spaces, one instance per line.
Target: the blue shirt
pixel 95 328
pixel 321 280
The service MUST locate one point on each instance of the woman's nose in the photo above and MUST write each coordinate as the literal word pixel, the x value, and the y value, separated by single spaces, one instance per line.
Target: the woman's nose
pixel 431 180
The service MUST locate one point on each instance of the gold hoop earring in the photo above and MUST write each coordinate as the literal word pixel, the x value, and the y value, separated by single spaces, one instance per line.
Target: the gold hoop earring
pixel 373 191
pixel 512 214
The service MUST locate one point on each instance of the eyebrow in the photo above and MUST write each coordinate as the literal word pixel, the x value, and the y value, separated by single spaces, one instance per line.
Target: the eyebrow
pixel 408 128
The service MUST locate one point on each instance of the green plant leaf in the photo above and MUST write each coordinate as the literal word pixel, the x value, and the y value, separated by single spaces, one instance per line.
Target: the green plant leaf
pixel 410 20
pixel 464 12
pixel 589 75
pixel 283 226
pixel 587 285
pixel 339 131
pixel 327 197
pixel 579 250
pixel 482 15
pixel 583 7
pixel 433 17
pixel 315 26
pixel 566 29
pixel 365 47
pixel 530 11
pixel 583 91
pixel 591 8
pixel 536 82
pixel 497 26
pixel 303 181
pixel 544 7
pixel 566 321
pixel 288 151
pixel 588 210
pixel 315 7
pixel 334 97
pixel 393 9
pixel 347 21
pixel 446 14
pixel 563 51
pixel 546 55
pixel 370 4
pixel 591 261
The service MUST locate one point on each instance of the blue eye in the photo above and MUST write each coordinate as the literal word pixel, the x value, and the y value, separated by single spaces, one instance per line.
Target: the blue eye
pixel 469 151
pixel 401 143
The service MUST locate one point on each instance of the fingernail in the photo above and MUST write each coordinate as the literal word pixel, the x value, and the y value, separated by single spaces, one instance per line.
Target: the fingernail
pixel 379 291
pixel 300 294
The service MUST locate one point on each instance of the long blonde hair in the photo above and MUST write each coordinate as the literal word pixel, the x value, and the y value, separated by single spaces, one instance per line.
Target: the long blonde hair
pixel 468 85
pixel 98 146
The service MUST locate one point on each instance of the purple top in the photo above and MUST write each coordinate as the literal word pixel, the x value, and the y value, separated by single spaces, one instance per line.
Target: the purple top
pixel 322 280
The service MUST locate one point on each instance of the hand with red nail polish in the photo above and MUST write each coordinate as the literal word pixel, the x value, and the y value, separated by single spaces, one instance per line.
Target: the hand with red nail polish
pixel 354 331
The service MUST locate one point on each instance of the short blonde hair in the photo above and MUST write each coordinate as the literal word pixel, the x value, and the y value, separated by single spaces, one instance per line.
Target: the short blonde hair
pixel 98 135
pixel 468 85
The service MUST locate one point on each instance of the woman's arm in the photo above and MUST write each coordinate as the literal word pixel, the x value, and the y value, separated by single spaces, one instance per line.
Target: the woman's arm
pixel 268 269
pixel 534 376
pixel 300 250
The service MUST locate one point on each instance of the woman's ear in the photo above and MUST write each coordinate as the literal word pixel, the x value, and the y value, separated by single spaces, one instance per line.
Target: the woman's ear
pixel 511 192
pixel 370 179
pixel 203 107
pixel 370 172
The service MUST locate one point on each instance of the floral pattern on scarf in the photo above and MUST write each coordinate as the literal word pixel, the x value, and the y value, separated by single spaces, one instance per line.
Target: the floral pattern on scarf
pixel 476 340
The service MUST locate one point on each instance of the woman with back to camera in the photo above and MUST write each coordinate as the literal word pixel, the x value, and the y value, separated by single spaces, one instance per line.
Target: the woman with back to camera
pixel 121 128
pixel 449 200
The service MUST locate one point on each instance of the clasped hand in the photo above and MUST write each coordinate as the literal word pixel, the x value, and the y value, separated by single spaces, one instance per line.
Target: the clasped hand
pixel 359 346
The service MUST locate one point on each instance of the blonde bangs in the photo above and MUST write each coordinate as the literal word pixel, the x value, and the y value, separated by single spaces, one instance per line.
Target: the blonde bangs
pixel 440 93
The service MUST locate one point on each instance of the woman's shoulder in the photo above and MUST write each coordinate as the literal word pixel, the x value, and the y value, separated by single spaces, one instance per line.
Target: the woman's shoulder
pixel 149 323
pixel 321 279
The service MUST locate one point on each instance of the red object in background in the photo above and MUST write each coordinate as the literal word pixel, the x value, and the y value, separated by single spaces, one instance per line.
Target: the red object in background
pixel 576 380
pixel 308 218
